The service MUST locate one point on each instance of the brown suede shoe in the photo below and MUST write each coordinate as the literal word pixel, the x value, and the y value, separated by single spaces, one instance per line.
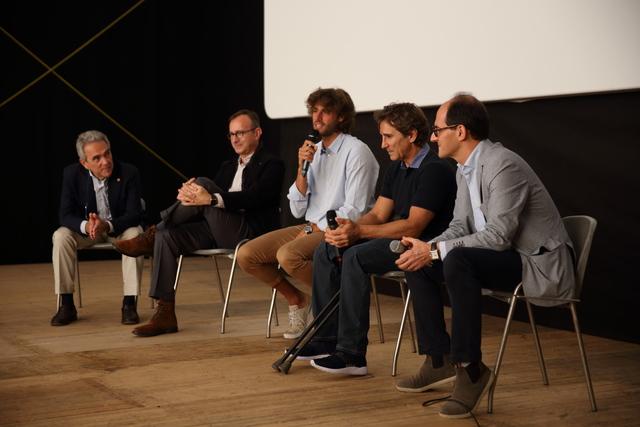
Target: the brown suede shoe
pixel 138 246
pixel 163 321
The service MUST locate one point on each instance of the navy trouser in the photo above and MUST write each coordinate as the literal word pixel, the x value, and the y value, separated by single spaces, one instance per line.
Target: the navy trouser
pixel 465 272
pixel 349 327
pixel 185 229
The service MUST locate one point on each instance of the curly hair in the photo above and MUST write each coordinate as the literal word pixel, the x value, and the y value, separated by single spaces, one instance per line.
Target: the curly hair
pixel 338 101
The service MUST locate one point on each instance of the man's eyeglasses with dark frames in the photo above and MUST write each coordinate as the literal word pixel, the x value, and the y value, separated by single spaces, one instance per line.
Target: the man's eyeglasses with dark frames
pixel 436 130
pixel 240 133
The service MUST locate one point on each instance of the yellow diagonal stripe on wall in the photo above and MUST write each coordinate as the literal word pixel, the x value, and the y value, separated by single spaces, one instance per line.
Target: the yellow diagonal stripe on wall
pixel 66 58
pixel 51 70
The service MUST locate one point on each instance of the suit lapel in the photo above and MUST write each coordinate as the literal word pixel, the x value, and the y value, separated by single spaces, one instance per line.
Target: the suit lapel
pixel 249 172
pixel 114 186
pixel 482 177
pixel 482 174
pixel 89 195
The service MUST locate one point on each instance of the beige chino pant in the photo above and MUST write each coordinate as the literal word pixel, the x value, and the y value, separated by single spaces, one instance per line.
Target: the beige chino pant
pixel 260 256
pixel 65 252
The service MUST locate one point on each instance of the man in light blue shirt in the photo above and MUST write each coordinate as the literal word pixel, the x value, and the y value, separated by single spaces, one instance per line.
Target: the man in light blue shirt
pixel 505 230
pixel 339 173
pixel 99 202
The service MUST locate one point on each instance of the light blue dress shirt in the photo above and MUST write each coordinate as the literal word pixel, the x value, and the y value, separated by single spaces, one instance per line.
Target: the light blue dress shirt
pixel 417 161
pixel 102 202
pixel 470 173
pixel 341 177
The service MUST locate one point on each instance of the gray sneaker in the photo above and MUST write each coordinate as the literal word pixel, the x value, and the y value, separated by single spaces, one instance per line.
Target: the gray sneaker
pixel 298 318
pixel 428 377
pixel 467 395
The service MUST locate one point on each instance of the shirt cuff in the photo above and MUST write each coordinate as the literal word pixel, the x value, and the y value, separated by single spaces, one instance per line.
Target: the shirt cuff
pixel 220 203
pixel 442 247
pixel 110 226
pixel 83 227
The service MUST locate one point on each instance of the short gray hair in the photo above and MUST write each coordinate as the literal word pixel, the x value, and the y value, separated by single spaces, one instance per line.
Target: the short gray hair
pixel 89 136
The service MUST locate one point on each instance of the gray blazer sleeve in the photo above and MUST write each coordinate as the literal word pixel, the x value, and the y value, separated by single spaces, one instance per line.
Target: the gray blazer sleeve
pixel 505 189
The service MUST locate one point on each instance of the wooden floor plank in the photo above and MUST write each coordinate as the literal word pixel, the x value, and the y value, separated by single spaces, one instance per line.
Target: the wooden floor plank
pixel 96 373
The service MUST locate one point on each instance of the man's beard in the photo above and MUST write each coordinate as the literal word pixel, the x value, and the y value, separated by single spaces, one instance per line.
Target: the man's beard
pixel 330 129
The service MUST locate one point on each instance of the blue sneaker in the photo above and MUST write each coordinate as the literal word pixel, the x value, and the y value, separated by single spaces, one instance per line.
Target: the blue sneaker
pixel 342 363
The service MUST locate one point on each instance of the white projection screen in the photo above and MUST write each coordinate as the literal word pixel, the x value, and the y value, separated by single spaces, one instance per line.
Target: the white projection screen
pixel 424 51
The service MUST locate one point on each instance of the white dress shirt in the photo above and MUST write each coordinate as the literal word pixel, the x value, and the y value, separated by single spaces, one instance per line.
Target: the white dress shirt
pixel 236 184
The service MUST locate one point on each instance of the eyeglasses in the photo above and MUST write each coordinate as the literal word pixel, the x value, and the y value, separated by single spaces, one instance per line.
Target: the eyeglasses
pixel 436 130
pixel 240 133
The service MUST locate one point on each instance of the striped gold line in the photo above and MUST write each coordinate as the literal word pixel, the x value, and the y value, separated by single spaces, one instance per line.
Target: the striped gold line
pixel 51 70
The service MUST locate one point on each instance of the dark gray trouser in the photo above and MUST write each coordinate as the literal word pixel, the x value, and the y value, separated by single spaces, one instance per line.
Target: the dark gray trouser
pixel 466 271
pixel 350 326
pixel 185 229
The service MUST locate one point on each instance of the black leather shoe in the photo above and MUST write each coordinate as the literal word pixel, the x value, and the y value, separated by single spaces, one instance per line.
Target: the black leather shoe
pixel 65 315
pixel 130 315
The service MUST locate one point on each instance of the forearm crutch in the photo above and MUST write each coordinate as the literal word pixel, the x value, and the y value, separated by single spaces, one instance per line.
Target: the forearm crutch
pixel 284 362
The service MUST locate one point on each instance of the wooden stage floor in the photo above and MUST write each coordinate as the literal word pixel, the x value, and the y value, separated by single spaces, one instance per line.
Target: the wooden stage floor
pixel 96 373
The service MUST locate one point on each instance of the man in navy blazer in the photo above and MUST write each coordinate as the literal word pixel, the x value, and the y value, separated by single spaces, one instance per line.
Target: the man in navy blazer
pixel 100 202
pixel 242 202
pixel 505 230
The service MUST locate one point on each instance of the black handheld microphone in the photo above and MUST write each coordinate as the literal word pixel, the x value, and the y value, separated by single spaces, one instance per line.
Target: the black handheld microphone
pixel 313 136
pixel 397 247
pixel 333 224
pixel 331 219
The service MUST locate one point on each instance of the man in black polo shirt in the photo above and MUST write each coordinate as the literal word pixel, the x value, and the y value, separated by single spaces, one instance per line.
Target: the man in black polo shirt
pixel 417 199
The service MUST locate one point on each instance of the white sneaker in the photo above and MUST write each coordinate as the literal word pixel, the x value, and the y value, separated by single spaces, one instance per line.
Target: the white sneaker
pixel 298 318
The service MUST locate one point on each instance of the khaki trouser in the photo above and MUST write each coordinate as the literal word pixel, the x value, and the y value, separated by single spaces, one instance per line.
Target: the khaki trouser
pixel 65 246
pixel 260 257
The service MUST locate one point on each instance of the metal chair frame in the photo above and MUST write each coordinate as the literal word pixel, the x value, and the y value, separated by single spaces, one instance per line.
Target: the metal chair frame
pixel 232 254
pixel 104 246
pixel 581 229
pixel 399 277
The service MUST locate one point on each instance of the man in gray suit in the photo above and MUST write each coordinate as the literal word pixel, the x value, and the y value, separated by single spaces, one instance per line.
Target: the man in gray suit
pixel 505 230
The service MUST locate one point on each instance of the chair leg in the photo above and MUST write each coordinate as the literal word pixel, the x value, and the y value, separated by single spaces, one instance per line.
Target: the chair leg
pixel 394 364
pixel 275 313
pixel 583 356
pixel 153 301
pixel 503 344
pixel 376 302
pixel 407 297
pixel 233 268
pixel 175 284
pixel 78 282
pixel 215 261
pixel 272 305
pixel 534 330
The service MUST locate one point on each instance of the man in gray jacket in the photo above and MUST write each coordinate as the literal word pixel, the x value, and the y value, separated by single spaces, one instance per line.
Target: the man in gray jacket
pixel 505 230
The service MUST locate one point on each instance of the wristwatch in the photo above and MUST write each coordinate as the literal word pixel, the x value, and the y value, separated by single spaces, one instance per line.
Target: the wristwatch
pixel 308 228
pixel 435 254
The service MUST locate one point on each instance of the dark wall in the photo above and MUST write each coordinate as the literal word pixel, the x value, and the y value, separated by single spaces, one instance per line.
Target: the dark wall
pixel 172 72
